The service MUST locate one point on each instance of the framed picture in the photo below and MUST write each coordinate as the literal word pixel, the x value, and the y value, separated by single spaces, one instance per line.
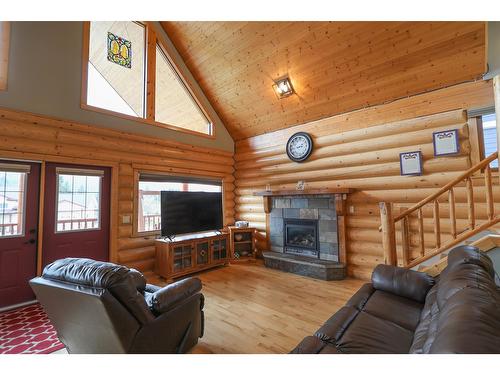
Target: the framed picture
pixel 446 142
pixel 410 163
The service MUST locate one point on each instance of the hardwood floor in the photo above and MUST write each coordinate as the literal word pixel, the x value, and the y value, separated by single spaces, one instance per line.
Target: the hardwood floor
pixel 253 309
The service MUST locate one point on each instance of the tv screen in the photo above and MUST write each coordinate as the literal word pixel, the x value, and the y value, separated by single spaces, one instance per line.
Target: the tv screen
pixel 188 212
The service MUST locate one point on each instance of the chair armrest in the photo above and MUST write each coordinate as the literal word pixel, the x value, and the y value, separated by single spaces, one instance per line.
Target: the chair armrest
pixel 168 297
pixel 150 288
pixel 402 282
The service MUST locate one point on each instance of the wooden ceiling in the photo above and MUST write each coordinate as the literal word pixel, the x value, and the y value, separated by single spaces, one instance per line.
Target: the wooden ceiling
pixel 335 67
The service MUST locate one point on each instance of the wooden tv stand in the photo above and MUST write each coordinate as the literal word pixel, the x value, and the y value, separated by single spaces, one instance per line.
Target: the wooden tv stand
pixel 187 254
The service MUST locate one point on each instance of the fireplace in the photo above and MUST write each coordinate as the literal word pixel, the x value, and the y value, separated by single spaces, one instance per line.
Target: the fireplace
pixel 300 237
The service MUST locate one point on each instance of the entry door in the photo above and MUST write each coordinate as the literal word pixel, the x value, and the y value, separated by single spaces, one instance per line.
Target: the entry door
pixel 76 212
pixel 19 189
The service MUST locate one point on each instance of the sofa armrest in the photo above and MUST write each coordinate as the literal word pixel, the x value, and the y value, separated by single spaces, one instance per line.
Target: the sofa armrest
pixel 168 297
pixel 402 282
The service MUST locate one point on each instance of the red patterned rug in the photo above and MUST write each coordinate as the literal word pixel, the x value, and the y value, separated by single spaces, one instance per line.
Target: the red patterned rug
pixel 27 330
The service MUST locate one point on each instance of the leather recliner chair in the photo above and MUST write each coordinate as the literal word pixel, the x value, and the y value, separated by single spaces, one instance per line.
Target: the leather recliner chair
pixel 99 307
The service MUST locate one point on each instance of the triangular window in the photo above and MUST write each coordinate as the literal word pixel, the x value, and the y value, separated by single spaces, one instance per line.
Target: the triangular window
pixel 119 62
pixel 175 104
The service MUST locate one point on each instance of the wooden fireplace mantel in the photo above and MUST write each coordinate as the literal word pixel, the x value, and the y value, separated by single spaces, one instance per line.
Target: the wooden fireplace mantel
pixel 278 193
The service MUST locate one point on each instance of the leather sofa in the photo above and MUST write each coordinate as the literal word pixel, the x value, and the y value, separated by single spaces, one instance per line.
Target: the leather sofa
pixel 99 307
pixel 404 311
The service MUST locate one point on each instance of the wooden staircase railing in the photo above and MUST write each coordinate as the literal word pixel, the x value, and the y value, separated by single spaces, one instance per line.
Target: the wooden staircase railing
pixel 389 222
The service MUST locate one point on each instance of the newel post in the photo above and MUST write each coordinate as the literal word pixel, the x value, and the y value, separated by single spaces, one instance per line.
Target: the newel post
pixel 388 233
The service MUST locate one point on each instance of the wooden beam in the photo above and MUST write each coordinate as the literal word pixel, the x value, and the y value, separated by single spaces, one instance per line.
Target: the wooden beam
pixel 302 192
pixel 4 53
pixel 151 74
pixel 340 208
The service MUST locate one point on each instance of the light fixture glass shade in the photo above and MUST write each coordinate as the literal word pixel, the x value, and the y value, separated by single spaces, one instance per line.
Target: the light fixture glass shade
pixel 283 87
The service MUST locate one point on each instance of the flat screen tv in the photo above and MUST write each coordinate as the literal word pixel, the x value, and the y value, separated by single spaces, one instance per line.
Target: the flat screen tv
pixel 189 212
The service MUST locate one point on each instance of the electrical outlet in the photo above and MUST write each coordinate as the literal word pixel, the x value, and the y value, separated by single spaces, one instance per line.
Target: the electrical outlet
pixel 351 209
pixel 126 219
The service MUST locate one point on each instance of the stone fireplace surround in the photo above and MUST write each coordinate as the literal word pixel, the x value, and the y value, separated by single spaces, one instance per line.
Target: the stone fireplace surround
pixel 326 208
pixel 315 207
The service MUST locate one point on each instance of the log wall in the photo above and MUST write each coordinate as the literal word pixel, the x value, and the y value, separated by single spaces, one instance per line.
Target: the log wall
pixel 27 136
pixel 360 150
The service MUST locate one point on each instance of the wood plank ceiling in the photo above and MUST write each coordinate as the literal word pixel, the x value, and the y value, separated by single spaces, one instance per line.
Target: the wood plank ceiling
pixel 335 67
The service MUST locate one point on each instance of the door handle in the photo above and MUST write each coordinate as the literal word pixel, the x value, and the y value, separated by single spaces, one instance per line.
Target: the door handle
pixel 31 241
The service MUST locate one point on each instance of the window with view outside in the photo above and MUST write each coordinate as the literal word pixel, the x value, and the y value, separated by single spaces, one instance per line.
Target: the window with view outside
pixel 174 104
pixel 78 202
pixel 116 69
pixel 490 136
pixel 149 202
pixel 12 197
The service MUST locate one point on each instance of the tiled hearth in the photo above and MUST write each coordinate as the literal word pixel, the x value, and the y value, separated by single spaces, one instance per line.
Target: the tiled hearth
pixel 321 261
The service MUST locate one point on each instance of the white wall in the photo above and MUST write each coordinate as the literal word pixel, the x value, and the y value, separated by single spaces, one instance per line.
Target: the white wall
pixel 45 78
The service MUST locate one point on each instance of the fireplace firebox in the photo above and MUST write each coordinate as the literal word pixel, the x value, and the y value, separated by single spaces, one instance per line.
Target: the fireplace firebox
pixel 300 237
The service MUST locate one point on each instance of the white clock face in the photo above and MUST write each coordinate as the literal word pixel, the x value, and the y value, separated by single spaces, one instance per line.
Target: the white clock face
pixel 298 147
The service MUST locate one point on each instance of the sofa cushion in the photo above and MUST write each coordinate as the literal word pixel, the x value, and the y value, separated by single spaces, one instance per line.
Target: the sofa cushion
pixel 468 255
pixel 469 322
pixel 309 345
pixel 402 282
pixel 361 297
pixel 366 320
pixel 333 329
pixel 427 327
pixel 384 305
pixel 370 334
pixel 461 313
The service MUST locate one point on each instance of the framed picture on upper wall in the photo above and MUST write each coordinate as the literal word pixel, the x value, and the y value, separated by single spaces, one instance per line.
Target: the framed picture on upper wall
pixel 410 163
pixel 446 142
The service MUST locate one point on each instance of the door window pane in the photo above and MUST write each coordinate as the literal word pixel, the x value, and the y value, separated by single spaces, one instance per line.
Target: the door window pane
pixel 12 198
pixel 78 202
pixel 116 75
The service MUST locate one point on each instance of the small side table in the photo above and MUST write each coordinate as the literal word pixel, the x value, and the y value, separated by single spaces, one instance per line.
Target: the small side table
pixel 242 243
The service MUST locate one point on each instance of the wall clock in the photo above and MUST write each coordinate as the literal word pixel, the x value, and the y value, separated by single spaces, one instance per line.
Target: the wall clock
pixel 299 146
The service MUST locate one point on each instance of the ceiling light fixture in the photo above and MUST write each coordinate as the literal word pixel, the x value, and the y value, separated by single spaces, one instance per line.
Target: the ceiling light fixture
pixel 283 87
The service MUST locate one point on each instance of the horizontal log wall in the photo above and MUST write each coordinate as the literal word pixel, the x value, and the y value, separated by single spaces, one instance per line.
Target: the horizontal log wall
pixel 41 138
pixel 360 150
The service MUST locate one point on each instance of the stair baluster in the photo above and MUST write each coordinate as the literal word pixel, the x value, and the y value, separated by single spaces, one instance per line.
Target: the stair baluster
pixel 389 222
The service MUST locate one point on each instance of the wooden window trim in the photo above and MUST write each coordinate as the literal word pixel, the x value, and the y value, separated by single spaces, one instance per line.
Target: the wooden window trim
pixel 4 52
pixel 160 172
pixel 152 38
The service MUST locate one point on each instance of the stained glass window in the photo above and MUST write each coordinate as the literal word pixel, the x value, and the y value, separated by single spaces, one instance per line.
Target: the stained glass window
pixel 119 50
pixel 116 67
